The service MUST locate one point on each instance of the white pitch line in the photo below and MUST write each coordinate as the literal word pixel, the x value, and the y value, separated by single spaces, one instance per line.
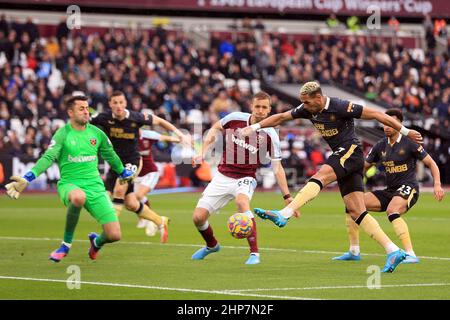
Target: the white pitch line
pixel 345 287
pixel 135 286
pixel 199 246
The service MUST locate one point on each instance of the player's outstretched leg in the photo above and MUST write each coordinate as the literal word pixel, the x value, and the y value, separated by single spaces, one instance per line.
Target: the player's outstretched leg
pixel 272 215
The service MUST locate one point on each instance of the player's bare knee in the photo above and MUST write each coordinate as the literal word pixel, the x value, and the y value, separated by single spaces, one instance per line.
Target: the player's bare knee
pixel 353 213
pixel 132 204
pixel 393 210
pixel 199 217
pixel 242 205
pixel 78 198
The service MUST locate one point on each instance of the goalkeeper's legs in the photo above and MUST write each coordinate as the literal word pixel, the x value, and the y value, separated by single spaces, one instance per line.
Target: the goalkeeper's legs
pixel 77 199
pixel 200 219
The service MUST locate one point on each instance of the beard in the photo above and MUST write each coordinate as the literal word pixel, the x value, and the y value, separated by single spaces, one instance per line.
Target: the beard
pixel 81 122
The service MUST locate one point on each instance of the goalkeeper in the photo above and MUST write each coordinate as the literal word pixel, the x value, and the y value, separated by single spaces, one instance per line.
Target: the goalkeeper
pixel 75 147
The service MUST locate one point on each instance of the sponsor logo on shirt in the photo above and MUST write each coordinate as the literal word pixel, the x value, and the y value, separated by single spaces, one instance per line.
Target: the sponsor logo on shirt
pixel 79 159
pixel 243 144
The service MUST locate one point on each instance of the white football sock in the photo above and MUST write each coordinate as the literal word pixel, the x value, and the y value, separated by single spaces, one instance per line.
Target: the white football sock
pixel 249 214
pixel 287 212
pixel 354 250
pixel 203 227
pixel 391 248
pixel 411 253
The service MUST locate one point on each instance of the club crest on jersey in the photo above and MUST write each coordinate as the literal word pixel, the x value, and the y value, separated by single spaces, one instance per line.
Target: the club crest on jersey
pixel 401 152
pixel 383 154
pixel 133 125
pixel 333 118
pixel 93 142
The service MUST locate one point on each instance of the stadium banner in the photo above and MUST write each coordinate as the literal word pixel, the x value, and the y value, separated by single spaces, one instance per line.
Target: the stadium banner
pixel 403 8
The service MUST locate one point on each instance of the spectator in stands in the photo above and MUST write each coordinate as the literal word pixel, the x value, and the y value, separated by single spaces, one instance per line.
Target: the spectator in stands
pixel 259 25
pixel 353 23
pixel 332 21
pixel 31 29
pixel 429 32
pixel 172 75
pixel 246 24
pixel 4 25
pixel 394 24
pixel 220 107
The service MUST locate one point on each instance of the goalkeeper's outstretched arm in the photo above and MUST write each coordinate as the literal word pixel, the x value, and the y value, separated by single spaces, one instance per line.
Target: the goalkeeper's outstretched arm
pixel 19 184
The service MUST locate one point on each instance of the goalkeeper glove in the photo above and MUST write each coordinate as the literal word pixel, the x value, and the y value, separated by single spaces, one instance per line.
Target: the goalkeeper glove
pixel 13 189
pixel 125 176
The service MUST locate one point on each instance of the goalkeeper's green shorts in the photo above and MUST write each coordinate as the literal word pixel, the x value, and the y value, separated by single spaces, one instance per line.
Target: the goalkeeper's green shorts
pixel 98 204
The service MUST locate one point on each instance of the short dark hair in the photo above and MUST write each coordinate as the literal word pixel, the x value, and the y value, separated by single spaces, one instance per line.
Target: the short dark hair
pixel 396 113
pixel 262 95
pixel 116 93
pixel 71 101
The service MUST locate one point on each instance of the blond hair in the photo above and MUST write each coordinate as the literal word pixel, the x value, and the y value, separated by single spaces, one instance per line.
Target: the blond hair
pixel 310 88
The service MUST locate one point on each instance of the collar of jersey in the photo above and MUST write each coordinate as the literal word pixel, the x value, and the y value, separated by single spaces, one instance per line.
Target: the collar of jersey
pixel 127 114
pixel 327 104
pixel 396 141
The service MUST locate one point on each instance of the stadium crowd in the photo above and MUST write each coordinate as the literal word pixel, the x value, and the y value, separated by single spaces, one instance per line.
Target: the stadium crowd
pixel 164 72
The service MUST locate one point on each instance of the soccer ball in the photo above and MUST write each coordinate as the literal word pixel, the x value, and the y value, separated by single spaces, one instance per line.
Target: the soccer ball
pixel 240 225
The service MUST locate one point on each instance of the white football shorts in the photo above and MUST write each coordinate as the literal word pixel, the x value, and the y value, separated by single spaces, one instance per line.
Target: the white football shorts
pixel 150 180
pixel 223 189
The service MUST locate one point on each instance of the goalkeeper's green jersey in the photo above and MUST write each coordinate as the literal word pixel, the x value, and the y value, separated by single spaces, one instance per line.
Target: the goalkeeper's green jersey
pixel 76 153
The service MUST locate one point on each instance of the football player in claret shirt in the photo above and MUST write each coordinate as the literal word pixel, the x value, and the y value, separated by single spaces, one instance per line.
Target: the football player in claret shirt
pixel 149 175
pixel 122 127
pixel 74 147
pixel 333 118
pixel 236 177
pixel 398 155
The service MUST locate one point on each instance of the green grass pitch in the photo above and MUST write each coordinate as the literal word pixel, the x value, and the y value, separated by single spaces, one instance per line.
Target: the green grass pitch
pixel 295 261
